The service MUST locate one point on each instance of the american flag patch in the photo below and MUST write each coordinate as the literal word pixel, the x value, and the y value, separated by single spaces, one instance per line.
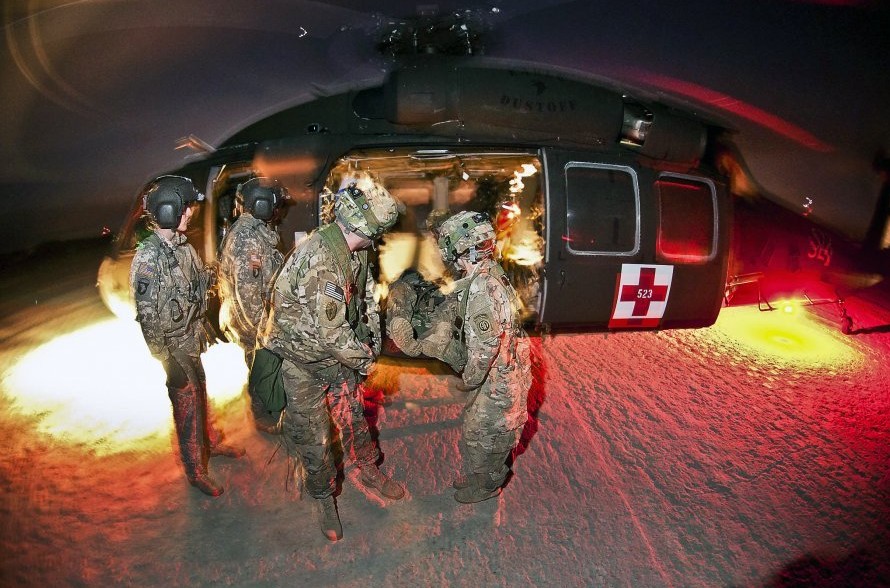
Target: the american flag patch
pixel 334 291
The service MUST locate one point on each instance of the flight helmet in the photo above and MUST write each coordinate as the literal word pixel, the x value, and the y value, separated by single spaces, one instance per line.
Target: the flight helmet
pixel 261 196
pixel 167 199
pixel 467 232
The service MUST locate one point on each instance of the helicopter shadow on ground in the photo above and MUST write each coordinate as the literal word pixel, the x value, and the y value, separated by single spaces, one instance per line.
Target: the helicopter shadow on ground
pixel 859 569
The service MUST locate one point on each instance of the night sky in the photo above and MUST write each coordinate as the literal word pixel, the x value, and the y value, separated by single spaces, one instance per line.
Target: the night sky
pixel 96 94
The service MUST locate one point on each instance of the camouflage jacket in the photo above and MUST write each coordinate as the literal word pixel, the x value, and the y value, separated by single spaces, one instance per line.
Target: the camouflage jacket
pixel 420 318
pixel 323 313
pixel 497 347
pixel 169 283
pixel 248 262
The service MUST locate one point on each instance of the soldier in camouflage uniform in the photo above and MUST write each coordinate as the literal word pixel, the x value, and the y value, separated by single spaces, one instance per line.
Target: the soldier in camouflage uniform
pixel 324 323
pixel 497 376
pixel 169 284
pixel 420 318
pixel 249 260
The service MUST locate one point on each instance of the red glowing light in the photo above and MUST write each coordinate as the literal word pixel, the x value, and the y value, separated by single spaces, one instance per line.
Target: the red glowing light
pixel 735 106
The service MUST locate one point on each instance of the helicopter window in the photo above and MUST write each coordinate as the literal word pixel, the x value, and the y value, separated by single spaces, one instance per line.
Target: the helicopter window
pixel 603 210
pixel 687 219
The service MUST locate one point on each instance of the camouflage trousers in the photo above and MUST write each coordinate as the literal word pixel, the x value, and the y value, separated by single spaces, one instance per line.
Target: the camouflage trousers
pixel 487 440
pixel 314 405
pixel 195 433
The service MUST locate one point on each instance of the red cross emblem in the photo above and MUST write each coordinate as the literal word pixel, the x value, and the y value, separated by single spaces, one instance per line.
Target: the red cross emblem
pixel 641 295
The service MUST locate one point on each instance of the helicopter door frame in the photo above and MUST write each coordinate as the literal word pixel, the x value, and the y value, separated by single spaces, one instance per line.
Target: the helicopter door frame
pixel 225 174
pixel 615 226
pixel 587 239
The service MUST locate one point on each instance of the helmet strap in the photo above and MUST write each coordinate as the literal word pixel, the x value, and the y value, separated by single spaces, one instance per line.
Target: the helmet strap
pixel 361 200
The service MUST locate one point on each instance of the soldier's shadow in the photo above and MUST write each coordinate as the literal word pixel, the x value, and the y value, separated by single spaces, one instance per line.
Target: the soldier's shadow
pixel 537 393
pixel 341 426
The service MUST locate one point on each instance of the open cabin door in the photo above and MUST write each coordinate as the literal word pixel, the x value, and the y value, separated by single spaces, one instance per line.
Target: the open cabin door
pixel 630 246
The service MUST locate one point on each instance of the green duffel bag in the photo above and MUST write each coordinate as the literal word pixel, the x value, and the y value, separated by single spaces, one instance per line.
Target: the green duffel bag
pixel 265 381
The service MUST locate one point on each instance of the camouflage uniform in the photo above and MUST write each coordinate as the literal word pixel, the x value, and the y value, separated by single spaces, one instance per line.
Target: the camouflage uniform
pixel 169 284
pixel 421 320
pixel 498 370
pixel 248 262
pixel 324 323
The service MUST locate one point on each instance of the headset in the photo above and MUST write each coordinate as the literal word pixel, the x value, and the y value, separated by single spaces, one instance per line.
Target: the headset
pixel 259 198
pixel 167 199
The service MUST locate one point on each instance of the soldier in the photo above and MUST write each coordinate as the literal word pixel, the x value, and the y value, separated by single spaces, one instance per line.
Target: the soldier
pixel 420 318
pixel 169 284
pixel 498 372
pixel 324 324
pixel 249 260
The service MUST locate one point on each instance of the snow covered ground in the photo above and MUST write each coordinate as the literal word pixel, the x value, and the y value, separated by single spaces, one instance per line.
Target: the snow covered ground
pixel 752 453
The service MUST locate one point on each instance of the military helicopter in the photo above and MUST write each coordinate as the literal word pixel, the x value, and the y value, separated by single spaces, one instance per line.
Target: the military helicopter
pixel 783 259
pixel 609 213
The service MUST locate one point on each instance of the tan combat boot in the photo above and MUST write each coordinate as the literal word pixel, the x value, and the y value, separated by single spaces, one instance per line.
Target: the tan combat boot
pixel 330 520
pixel 477 489
pixel 460 481
pixel 372 477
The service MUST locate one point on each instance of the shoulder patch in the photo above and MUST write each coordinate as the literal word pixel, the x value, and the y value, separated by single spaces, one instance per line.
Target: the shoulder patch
pixel 330 310
pixel 334 291
pixel 145 270
pixel 483 323
pixel 143 287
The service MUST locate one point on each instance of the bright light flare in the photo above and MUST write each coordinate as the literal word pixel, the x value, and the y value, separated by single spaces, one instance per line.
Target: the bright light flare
pixel 100 386
pixel 527 252
pixel 796 337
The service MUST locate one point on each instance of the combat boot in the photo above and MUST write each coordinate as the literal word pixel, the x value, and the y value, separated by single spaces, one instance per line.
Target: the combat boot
pixel 330 520
pixel 478 488
pixel 206 484
pixel 460 481
pixel 372 477
pixel 224 450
